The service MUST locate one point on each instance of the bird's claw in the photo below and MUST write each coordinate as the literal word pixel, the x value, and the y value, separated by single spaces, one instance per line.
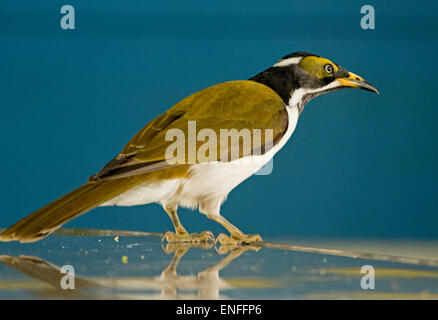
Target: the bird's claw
pixel 185 246
pixel 230 240
pixel 228 243
pixel 188 238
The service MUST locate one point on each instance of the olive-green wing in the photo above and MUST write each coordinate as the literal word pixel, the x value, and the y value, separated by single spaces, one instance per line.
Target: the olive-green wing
pixel 236 105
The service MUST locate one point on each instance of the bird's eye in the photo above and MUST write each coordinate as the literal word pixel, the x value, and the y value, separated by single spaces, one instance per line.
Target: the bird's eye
pixel 328 68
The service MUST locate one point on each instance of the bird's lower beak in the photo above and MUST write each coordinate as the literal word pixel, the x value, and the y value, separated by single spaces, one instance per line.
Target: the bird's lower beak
pixel 354 81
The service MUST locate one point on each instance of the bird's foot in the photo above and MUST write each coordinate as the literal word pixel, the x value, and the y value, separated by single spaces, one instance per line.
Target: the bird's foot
pixel 185 246
pixel 189 238
pixel 246 239
pixel 225 248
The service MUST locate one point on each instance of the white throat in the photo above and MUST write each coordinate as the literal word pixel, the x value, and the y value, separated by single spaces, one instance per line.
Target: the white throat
pixel 297 95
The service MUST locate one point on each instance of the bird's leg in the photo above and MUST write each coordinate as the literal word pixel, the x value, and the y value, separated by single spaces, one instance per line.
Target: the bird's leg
pixel 181 235
pixel 173 214
pixel 236 236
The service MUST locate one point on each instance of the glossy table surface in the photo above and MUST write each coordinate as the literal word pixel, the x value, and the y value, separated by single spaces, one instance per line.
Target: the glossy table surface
pixel 135 265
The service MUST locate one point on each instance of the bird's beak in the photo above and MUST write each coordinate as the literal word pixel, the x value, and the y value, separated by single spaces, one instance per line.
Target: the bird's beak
pixel 354 81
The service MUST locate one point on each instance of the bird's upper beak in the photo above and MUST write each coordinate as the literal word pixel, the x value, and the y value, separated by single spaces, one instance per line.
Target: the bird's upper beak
pixel 354 81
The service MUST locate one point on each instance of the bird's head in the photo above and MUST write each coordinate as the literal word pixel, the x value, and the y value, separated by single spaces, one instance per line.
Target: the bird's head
pixel 301 76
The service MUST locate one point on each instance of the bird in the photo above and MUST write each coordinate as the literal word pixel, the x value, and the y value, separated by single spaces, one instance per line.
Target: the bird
pixel 150 168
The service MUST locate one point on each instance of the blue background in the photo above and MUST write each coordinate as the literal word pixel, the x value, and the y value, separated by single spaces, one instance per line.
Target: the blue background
pixel 358 164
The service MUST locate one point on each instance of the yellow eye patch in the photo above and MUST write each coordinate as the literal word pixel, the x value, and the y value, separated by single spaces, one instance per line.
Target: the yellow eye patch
pixel 316 66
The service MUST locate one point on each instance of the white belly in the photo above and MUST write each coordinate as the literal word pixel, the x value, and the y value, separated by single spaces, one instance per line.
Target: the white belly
pixel 208 184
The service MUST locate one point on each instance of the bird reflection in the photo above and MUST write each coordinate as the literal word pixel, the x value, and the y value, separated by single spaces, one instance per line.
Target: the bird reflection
pixel 49 276
pixel 206 284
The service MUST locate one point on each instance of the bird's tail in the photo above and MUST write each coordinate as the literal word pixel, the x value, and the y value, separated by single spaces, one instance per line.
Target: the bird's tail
pixel 50 217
